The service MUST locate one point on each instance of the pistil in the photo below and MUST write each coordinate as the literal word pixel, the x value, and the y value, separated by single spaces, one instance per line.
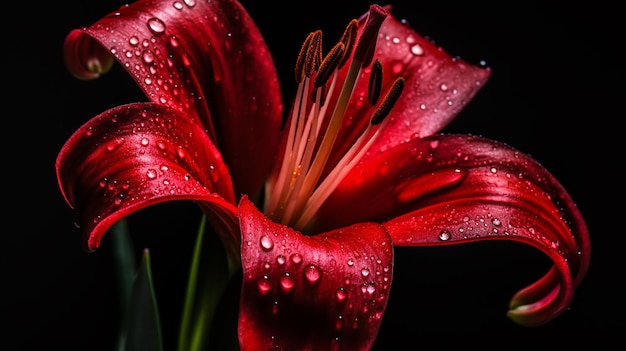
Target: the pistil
pixel 297 192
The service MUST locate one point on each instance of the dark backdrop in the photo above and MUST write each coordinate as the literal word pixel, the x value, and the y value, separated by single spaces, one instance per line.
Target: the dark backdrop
pixel 555 93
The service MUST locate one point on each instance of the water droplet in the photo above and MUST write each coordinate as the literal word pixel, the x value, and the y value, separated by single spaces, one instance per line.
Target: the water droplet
pixel 341 294
pixel 350 262
pixel 190 3
pixel 134 41
pixel 264 285
pixel 296 258
pixel 148 57
pixel 145 141
pixel 156 25
pixel 178 5
pixel 312 273
pixel 417 50
pixel 151 173
pixel 287 282
pixel 365 272
pixel 174 41
pixel 496 221
pixel 444 235
pixel 266 243
pixel 280 259
pixel 370 288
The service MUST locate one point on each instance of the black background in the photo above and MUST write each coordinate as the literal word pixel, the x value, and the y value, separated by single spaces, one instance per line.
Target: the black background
pixel 555 93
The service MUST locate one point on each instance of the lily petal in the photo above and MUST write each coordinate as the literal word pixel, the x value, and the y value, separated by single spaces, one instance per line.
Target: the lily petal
pixel 137 155
pixel 179 53
pixel 337 284
pixel 437 87
pixel 452 189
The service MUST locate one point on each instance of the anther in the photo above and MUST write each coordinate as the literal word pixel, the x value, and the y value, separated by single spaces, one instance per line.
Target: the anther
pixel 376 81
pixel 388 102
pixel 299 71
pixel 348 38
pixel 328 65
pixel 313 53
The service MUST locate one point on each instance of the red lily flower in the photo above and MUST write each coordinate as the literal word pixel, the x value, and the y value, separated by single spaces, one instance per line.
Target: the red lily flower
pixel 310 210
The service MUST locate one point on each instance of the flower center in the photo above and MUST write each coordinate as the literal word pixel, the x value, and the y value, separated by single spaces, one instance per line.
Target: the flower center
pixel 298 190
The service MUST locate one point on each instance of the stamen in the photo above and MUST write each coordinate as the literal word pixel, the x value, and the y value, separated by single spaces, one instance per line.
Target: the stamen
pixel 305 159
pixel 348 38
pixel 313 53
pixel 299 71
pixel 389 101
pixel 376 82
pixel 328 65
pixel 352 157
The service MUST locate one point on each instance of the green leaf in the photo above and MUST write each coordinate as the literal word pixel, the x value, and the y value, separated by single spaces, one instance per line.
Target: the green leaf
pixel 144 328
pixel 208 278
pixel 125 270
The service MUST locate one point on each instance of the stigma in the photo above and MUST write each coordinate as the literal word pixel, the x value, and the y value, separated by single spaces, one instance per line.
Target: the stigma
pixel 305 179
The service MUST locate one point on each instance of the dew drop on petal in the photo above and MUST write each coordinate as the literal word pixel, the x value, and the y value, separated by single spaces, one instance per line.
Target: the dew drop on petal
pixel 417 50
pixel 296 258
pixel 287 282
pixel 151 173
pixel 266 243
pixel 264 285
pixel 370 287
pixel 444 235
pixel 280 259
pixel 341 294
pixel 133 40
pixel 156 25
pixel 312 273
pixel 365 272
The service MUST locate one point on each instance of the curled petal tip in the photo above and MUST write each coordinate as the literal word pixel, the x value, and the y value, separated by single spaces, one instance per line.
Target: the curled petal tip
pixel 540 302
pixel 85 57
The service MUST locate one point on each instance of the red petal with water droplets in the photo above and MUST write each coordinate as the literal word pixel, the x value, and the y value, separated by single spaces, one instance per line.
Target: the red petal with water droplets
pixel 324 292
pixel 137 155
pixel 207 60
pixel 454 189
pixel 437 87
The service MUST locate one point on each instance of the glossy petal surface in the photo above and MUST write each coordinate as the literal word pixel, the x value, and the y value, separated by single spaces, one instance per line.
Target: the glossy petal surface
pixel 325 292
pixel 449 189
pixel 181 54
pixel 137 155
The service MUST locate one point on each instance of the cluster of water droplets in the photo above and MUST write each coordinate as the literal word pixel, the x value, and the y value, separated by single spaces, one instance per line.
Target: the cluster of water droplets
pixel 287 275
pixel 161 72
pixel 166 171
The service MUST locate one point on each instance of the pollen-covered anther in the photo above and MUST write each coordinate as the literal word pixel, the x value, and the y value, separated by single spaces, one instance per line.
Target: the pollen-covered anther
pixel 302 56
pixel 348 39
pixel 389 101
pixel 313 54
pixel 329 65
pixel 375 83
